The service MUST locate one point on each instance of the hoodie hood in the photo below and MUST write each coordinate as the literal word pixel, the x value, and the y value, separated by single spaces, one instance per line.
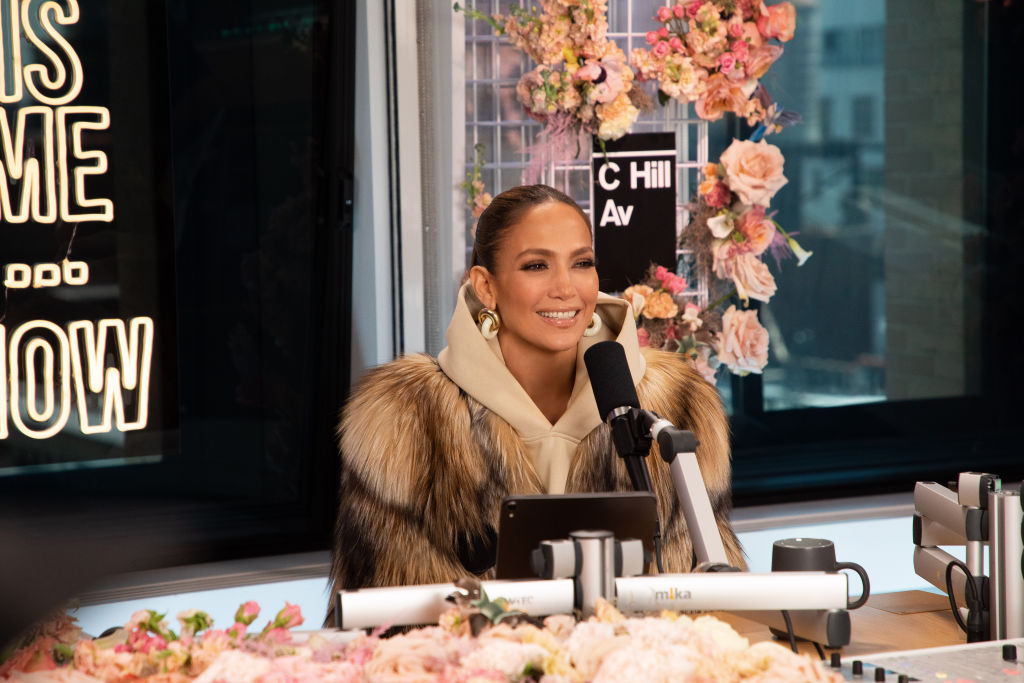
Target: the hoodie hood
pixel 477 366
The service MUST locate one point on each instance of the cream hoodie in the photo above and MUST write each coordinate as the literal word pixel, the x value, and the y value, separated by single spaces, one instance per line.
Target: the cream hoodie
pixel 476 365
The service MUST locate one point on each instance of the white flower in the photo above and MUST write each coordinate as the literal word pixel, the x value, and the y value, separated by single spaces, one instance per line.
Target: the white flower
pixel 721 225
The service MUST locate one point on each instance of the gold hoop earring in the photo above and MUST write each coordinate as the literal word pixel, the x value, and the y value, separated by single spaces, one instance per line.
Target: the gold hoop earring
pixel 489 323
pixel 594 327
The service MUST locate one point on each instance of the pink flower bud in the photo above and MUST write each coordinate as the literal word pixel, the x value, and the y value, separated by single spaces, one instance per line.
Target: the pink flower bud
pixel 237 631
pixel 247 612
pixel 664 13
pixel 675 43
pixel 289 617
pixel 652 37
pixel 679 11
pixel 663 32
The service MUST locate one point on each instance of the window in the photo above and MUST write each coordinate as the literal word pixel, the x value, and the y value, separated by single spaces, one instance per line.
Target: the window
pixel 227 235
pixel 881 343
pixel 863 116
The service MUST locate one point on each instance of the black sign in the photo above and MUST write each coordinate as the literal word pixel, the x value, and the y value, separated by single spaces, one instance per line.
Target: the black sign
pixel 634 207
pixel 87 325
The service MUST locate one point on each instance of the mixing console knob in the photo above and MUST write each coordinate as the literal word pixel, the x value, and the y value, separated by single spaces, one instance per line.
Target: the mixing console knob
pixel 858 667
pixel 1010 652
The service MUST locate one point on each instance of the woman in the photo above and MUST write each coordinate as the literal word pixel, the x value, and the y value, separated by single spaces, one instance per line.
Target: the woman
pixel 430 447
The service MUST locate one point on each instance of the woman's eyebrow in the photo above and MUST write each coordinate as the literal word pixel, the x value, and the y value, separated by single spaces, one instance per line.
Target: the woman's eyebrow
pixel 548 252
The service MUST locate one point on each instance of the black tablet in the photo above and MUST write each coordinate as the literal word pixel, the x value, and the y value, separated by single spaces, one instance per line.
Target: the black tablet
pixel 528 520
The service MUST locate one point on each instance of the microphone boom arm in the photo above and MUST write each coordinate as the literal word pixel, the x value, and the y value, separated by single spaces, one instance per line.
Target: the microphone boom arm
pixel 679 449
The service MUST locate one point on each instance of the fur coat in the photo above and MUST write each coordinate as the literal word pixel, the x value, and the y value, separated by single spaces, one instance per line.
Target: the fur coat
pixel 425 467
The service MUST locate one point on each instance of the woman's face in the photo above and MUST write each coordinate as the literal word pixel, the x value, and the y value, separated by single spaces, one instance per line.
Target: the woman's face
pixel 545 282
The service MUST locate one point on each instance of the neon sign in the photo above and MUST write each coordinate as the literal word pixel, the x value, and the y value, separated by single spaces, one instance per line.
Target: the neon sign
pixel 49 371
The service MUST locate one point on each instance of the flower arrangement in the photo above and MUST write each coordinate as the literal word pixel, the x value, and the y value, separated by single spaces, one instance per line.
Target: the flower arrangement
pixel 582 83
pixel 476 198
pixel 606 647
pixel 729 234
pixel 146 647
pixel 713 53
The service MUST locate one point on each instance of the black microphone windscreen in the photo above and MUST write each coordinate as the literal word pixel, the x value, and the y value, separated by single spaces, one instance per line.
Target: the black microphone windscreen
pixel 609 376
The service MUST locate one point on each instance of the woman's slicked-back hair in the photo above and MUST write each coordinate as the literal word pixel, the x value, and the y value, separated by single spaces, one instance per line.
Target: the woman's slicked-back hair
pixel 506 210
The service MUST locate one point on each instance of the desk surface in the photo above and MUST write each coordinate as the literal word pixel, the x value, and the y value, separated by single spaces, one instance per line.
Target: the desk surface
pixel 887 623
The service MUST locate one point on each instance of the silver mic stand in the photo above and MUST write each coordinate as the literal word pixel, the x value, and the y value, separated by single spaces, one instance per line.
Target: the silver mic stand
pixel 979 513
pixel 830 627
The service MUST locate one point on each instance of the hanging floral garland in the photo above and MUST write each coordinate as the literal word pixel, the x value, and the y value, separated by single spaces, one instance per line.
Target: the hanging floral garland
pixel 582 84
pixel 711 53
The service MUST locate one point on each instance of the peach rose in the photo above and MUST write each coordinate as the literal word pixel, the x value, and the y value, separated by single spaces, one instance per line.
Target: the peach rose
pixel 637 296
pixel 753 170
pixel 757 230
pixel 760 58
pixel 743 344
pixel 779 22
pixel 749 273
pixel 751 35
pixel 722 95
pixel 660 305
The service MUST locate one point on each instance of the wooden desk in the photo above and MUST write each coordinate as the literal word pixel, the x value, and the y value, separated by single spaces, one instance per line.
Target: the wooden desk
pixel 888 622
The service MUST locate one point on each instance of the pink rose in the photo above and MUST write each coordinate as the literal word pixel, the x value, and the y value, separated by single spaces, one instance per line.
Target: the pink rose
pixel 669 280
pixel 739 48
pixel 679 11
pixel 743 344
pixel 758 231
pixel 779 22
pixel 721 95
pixel 694 7
pixel 662 49
pixel 718 196
pixel 735 28
pixel 664 14
pixel 643 337
pixel 751 276
pixel 753 170
pixel 675 43
pixel 663 32
pixel 746 8
pixel 726 62
pixel 652 37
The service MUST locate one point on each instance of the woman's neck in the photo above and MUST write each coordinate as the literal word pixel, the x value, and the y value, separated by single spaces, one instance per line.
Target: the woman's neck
pixel 547 378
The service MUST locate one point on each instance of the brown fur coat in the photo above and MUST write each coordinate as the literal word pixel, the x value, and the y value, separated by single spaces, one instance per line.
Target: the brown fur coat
pixel 425 466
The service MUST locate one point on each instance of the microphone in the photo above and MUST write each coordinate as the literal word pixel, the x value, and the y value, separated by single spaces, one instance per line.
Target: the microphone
pixel 618 405
pixel 632 431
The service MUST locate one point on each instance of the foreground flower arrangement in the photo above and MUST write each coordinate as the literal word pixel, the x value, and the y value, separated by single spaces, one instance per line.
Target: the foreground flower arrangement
pixel 466 647
pixel 729 234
